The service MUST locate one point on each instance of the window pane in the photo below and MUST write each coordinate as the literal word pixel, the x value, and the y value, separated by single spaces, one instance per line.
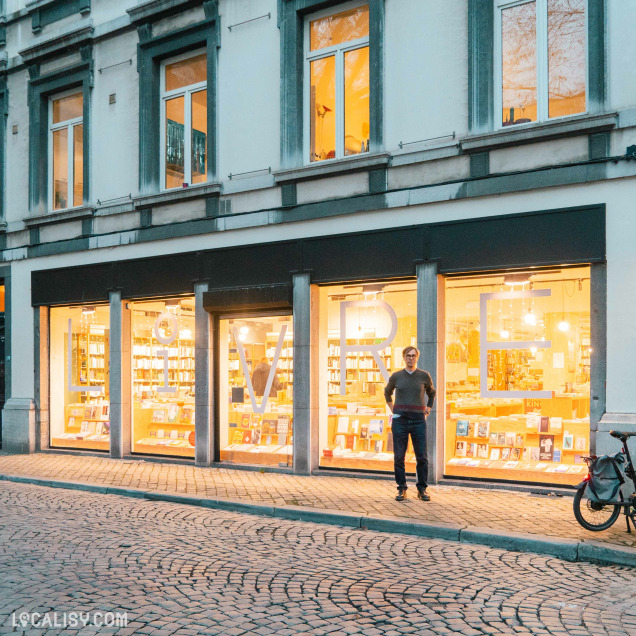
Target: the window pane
pixel 519 64
pixel 338 28
pixel 257 375
pixel 199 136
pixel 163 377
pixel 322 106
pixel 78 164
pixel 186 72
pixel 60 169
pixel 79 363
pixel 68 108
pixel 175 140
pixel 566 57
pixel 375 323
pixel 356 77
pixel 513 431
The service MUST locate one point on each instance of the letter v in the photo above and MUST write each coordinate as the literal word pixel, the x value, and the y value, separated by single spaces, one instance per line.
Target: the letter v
pixel 272 372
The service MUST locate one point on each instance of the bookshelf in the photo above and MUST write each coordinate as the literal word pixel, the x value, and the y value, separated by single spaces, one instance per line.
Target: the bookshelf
pixel 360 367
pixel 148 367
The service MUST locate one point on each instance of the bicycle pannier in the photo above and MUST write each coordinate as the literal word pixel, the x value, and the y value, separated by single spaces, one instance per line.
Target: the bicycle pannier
pixel 606 478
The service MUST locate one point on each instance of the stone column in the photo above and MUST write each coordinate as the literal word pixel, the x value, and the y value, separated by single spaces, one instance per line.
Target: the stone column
pixel 204 396
pixel 430 342
pixel 305 397
pixel 120 380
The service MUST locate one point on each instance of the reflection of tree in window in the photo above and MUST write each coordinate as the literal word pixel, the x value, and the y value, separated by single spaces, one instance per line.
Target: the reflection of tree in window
pixel 566 57
pixel 519 63
pixel 522 50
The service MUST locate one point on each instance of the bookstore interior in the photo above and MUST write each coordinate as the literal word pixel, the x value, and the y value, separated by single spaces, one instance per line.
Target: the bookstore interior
pixel 362 335
pixel 79 372
pixel 256 372
pixel 518 376
pixel 516 393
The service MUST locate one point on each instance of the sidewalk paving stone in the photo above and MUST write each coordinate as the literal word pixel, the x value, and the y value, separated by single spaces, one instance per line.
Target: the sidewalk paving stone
pixel 497 517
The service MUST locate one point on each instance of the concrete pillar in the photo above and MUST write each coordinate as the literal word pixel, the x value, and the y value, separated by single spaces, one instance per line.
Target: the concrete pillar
pixel 305 299
pixel 203 393
pixel 430 342
pixel 41 334
pixel 120 383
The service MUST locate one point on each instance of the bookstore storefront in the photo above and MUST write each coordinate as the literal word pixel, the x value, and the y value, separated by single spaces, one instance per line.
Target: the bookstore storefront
pixel 517 375
pixel 285 366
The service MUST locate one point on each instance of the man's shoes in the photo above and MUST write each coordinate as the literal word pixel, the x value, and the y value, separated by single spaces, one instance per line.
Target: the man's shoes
pixel 423 495
pixel 401 496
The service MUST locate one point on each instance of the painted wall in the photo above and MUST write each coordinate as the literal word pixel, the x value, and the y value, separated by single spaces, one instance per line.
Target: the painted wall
pixel 621 52
pixel 426 75
pixel 17 152
pixel 248 88
pixel 115 127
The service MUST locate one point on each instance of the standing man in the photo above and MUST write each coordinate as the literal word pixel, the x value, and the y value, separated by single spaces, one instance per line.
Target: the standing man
pixel 414 397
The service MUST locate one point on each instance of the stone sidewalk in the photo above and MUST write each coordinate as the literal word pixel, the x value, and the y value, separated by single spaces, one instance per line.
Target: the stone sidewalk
pixel 541 523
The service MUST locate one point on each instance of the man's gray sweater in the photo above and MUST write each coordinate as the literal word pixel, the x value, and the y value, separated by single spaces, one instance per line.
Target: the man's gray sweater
pixel 410 389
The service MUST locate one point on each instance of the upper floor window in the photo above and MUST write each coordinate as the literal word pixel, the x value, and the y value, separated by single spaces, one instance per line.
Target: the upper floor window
pixel 184 116
pixel 66 144
pixel 337 88
pixel 540 59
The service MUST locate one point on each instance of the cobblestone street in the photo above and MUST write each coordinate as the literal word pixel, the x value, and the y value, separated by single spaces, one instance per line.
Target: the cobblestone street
pixel 179 569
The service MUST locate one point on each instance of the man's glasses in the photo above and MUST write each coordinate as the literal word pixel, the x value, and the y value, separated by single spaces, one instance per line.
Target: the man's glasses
pixel 411 355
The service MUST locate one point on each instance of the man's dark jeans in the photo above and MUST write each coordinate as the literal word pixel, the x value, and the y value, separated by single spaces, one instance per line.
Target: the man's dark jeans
pixel 402 428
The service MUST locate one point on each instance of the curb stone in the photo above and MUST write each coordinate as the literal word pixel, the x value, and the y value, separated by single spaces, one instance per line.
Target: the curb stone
pixel 563 548
pixel 319 515
pixel 417 527
pixel 236 505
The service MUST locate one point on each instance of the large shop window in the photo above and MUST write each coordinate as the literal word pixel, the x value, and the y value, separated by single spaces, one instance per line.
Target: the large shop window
pixel 541 59
pixel 363 331
pixel 79 391
pixel 163 377
pixel 337 61
pixel 184 99
pixel 256 390
pixel 518 376
pixel 66 164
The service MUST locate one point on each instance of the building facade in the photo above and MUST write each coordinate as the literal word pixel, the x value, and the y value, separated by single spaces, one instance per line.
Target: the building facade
pixel 223 221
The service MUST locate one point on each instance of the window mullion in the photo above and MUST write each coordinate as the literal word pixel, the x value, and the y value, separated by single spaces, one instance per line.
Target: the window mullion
pixel 339 103
pixel 70 192
pixel 498 71
pixel 187 147
pixel 162 144
pixel 542 60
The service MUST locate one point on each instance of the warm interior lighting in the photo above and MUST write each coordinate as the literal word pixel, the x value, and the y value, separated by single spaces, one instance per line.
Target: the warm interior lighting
pixel 564 325
pixel 504 333
pixel 88 311
pixel 530 319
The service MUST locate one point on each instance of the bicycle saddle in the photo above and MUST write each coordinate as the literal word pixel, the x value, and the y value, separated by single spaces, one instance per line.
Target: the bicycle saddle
pixel 621 436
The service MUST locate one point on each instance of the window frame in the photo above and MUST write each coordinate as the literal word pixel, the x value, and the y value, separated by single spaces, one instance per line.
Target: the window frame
pixel 291 16
pixel 164 96
pixel 151 51
pixel 69 124
pixel 541 8
pixel 338 51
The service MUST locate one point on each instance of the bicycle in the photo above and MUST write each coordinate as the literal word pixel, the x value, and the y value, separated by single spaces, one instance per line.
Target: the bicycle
pixel 597 516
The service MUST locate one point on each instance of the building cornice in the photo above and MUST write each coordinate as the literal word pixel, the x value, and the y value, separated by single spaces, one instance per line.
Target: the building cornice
pixel 60 43
pixel 152 10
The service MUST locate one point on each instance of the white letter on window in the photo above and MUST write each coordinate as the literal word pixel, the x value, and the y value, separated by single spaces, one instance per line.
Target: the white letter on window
pixel 374 348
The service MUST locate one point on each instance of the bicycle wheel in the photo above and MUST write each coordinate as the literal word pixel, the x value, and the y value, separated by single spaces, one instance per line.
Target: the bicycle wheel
pixel 592 515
